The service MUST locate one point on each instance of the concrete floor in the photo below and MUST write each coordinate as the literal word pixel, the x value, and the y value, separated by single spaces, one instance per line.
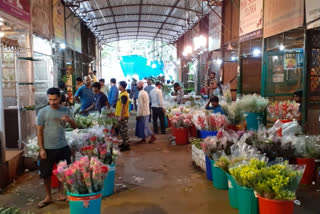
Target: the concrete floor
pixel 150 179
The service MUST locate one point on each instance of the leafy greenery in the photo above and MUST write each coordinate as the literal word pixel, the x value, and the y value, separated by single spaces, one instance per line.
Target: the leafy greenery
pixel 196 142
pixel 12 210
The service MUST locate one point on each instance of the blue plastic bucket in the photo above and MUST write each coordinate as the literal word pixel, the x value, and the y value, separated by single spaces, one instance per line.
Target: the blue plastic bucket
pixel 85 203
pixel 204 134
pixel 209 163
pixel 253 121
pixel 108 186
pixel 130 107
pixel 166 122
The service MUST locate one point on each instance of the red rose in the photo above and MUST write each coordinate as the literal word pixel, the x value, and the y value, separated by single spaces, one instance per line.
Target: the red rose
pixel 93 139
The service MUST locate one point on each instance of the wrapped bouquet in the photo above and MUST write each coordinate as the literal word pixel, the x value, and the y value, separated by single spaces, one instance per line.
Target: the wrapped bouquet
pixel 31 148
pixel 283 110
pixel 82 177
pixel 181 120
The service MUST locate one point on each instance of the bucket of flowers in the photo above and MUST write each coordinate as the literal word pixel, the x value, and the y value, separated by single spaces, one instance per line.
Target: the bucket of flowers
pixel 83 180
pixel 180 128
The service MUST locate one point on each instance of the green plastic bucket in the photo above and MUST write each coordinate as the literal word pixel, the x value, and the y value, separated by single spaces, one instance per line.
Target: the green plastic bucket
pixel 233 192
pixel 219 178
pixel 247 201
pixel 108 186
pixel 253 121
pixel 85 203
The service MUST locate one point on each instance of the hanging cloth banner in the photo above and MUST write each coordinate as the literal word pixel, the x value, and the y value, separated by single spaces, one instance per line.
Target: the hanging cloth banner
pixel 58 21
pixel 41 17
pixel 18 8
pixel 282 16
pixel 251 15
pixel 313 13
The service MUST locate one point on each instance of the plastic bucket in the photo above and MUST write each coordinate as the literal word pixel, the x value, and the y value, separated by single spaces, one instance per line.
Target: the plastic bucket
pixel 248 203
pixel 108 186
pixel 267 206
pixel 309 172
pixel 233 192
pixel 204 134
pixel 209 163
pixel 219 178
pixel 193 131
pixel 253 121
pixel 130 107
pixel 181 135
pixel 54 179
pixel 166 123
pixel 85 203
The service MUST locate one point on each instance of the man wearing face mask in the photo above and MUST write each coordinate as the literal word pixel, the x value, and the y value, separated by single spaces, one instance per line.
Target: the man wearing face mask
pixel 52 141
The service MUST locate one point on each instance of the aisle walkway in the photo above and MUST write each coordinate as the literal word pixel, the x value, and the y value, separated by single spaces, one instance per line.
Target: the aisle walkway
pixel 150 179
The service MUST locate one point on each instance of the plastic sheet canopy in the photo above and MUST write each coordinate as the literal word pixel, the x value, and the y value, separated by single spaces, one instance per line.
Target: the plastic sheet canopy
pixel 138 65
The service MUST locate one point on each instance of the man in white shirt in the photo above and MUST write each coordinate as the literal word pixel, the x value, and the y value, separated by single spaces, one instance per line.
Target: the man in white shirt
pixel 157 108
pixel 143 113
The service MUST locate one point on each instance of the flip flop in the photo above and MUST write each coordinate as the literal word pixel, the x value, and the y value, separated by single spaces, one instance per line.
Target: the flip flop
pixel 43 204
pixel 152 139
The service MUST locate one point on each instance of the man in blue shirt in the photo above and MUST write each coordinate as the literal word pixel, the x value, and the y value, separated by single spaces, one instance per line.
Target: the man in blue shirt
pixel 148 89
pixel 113 93
pixel 214 105
pixel 52 141
pixel 85 95
pixel 100 99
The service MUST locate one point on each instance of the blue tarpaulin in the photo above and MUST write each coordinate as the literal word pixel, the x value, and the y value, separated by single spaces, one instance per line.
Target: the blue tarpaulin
pixel 137 65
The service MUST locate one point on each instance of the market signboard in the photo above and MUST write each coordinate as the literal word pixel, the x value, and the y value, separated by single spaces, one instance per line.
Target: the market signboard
pixel 17 8
pixel 312 13
pixel 251 15
pixel 41 10
pixel 58 21
pixel 282 16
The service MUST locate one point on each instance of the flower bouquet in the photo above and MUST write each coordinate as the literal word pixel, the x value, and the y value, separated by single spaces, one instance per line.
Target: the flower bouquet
pixel 181 121
pixel 82 177
pixel 284 110
pixel 31 148
pixel 253 104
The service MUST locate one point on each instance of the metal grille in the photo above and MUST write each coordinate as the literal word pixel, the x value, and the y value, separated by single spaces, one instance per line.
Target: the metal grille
pixel 314 69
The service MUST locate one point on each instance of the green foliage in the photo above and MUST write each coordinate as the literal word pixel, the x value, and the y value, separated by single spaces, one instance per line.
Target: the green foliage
pixel 196 142
pixel 12 210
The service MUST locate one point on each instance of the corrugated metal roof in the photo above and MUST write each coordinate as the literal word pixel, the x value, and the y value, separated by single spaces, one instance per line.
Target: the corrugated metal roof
pixel 166 20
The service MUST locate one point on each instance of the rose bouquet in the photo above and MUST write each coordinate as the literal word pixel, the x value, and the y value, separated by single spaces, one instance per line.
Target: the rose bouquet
pixel 82 177
pixel 181 121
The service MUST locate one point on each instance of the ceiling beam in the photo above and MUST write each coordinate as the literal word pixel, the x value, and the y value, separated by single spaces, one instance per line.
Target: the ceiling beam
pixel 140 10
pixel 134 34
pixel 133 21
pixel 114 19
pixel 133 31
pixel 134 14
pixel 134 37
pixel 150 5
pixel 164 22
pixel 134 27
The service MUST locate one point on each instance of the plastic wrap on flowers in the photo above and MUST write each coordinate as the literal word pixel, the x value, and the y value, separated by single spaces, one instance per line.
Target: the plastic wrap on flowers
pixel 31 148
pixel 283 110
pixel 82 177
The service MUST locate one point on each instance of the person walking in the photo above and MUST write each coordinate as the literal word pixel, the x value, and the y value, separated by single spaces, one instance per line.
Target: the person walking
pixel 148 89
pixel 52 141
pixel 157 108
pixel 122 112
pixel 134 93
pixel 143 113
pixel 79 82
pixel 103 86
pixel 85 95
pixel 113 93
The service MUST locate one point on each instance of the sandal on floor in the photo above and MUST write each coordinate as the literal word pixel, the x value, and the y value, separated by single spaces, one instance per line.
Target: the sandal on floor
pixel 43 204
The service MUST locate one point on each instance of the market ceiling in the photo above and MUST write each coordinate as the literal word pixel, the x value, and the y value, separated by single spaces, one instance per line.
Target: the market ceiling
pixel 165 20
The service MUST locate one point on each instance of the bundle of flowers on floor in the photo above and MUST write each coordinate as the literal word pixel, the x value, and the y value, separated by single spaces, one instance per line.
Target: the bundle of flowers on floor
pixel 82 177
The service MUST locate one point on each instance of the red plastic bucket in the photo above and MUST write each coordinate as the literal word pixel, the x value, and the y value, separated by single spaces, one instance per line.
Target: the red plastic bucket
pixel 169 123
pixel 267 206
pixel 193 131
pixel 54 179
pixel 181 135
pixel 309 172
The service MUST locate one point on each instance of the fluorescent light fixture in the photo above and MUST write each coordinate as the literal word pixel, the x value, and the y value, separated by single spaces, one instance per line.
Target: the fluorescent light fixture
pixel 219 61
pixel 188 49
pixel 199 42
pixel 62 46
pixel 1 34
pixel 281 47
pixel 256 52
pixel 233 58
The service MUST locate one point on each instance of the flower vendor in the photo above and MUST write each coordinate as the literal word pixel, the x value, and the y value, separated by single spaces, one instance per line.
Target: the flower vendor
pixel 215 106
pixel 52 140
pixel 143 113
pixel 122 112
pixel 298 98
pixel 178 91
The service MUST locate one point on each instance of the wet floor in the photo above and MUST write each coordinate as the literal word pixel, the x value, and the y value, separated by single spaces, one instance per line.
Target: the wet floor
pixel 150 179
